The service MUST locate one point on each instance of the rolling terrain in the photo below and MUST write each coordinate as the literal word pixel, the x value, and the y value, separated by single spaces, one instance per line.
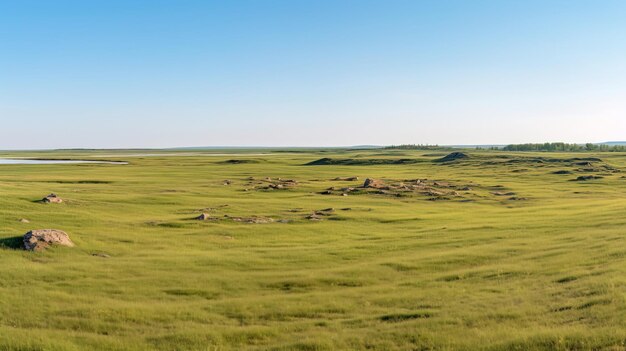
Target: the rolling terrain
pixel 493 251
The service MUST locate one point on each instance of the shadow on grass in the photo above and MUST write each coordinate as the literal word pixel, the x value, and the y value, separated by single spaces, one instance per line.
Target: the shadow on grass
pixel 14 243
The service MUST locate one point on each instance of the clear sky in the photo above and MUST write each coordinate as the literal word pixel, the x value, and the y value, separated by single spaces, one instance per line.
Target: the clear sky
pixel 130 73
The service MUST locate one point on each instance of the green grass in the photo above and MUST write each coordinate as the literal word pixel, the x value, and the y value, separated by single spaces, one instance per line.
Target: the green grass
pixel 478 272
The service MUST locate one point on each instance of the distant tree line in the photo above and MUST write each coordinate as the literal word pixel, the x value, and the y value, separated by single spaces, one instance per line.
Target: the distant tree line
pixel 564 147
pixel 414 147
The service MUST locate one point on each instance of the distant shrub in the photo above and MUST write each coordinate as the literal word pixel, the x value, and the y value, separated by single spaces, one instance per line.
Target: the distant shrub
pixel 564 147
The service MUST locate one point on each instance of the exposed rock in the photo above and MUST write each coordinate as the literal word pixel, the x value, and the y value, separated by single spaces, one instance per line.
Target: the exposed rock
pixel 52 198
pixel 41 239
pixel 373 183
pixel 319 215
pixel 206 217
pixel 500 193
pixel 253 220
pixel 438 198
pixel 313 217
pixel 433 192
pixel 324 212
pixel 24 220
pixel 277 184
pixel 406 188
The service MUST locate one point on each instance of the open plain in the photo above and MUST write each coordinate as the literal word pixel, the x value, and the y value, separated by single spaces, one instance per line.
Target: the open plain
pixel 293 250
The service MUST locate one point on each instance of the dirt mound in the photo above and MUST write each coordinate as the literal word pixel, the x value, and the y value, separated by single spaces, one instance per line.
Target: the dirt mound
pixel 52 198
pixel 453 157
pixel 41 239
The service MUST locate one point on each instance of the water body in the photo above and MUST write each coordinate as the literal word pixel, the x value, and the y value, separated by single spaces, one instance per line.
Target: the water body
pixel 16 161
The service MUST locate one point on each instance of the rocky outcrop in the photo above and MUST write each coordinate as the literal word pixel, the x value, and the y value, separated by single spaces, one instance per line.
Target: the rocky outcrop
pixel 41 239
pixel 52 198
pixel 373 183
pixel 206 217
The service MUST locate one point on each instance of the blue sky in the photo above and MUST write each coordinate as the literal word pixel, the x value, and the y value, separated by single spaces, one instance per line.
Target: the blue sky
pixel 132 73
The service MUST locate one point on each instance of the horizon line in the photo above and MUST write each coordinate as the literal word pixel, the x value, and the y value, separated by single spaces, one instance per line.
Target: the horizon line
pixel 363 146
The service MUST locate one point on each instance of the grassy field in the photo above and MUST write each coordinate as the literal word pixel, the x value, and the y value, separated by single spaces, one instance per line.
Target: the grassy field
pixel 520 259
